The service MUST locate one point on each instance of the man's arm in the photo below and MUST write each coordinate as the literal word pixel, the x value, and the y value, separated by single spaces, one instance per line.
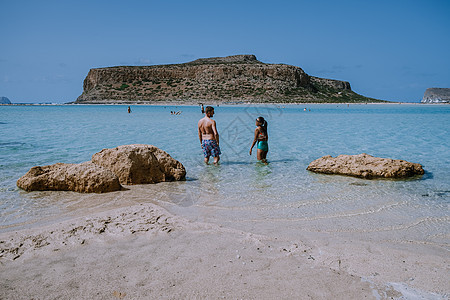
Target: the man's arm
pixel 216 133
pixel 199 133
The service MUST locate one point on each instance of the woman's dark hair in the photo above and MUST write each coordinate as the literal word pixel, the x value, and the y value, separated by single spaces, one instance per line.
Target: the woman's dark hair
pixel 263 124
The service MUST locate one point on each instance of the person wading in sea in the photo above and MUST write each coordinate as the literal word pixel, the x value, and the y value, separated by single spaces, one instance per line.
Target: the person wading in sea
pixel 208 135
pixel 260 139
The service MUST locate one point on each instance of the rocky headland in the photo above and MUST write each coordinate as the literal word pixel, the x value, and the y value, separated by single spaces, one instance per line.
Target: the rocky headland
pixel 239 78
pixel 436 95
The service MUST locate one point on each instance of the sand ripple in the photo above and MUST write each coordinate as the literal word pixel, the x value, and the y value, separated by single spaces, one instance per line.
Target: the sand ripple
pixel 119 222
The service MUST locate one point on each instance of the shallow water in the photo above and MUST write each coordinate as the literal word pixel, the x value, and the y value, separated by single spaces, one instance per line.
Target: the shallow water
pixel 240 192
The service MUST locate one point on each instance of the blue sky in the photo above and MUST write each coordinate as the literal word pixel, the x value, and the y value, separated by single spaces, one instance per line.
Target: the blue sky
pixel 391 50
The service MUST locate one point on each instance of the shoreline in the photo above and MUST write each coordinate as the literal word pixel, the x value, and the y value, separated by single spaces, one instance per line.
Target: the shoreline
pixel 127 249
pixel 217 102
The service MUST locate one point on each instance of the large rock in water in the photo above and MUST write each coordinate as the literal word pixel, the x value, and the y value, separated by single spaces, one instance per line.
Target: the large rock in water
pixel 436 95
pixel 365 166
pixel 84 178
pixel 139 164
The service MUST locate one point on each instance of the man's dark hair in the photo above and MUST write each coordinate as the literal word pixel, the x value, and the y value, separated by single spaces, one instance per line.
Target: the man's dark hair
pixel 209 109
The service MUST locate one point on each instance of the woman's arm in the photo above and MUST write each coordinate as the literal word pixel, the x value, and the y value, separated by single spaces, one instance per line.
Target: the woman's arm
pixel 254 140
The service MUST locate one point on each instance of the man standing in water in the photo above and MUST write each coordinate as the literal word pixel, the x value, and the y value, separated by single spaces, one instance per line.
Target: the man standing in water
pixel 208 135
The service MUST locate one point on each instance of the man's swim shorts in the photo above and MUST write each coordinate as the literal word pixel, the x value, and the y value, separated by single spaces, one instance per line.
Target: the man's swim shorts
pixel 210 148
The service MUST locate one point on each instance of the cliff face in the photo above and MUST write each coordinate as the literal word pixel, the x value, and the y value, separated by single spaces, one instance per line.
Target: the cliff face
pixel 436 95
pixel 232 78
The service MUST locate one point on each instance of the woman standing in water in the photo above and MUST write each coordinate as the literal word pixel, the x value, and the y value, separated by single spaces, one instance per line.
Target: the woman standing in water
pixel 261 138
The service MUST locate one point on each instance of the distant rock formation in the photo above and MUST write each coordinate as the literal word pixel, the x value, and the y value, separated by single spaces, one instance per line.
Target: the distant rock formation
pixel 436 95
pixel 365 166
pixel 4 100
pixel 109 168
pixel 222 79
pixel 139 164
pixel 83 178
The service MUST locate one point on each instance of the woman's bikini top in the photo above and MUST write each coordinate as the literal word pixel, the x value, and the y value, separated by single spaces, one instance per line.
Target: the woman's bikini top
pixel 262 136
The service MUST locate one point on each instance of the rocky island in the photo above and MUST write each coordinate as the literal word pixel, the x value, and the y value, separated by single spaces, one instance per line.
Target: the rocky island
pixel 239 78
pixel 436 95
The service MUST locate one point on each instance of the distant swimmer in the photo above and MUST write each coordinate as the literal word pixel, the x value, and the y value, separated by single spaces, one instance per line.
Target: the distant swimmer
pixel 261 139
pixel 129 109
pixel 203 110
pixel 209 136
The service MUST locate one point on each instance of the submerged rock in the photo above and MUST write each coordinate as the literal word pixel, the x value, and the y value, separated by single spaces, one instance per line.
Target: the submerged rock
pixel 365 166
pixel 84 178
pixel 139 164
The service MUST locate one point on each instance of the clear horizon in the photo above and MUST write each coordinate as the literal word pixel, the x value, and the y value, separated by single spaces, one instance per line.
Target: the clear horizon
pixel 387 50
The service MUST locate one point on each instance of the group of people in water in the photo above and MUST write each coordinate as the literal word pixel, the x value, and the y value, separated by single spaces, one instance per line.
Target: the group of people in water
pixel 209 137
pixel 171 112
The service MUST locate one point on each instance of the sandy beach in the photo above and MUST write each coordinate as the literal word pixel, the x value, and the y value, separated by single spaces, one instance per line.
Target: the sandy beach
pixel 144 252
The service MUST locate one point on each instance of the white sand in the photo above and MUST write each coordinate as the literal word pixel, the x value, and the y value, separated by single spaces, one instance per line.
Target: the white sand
pixel 143 252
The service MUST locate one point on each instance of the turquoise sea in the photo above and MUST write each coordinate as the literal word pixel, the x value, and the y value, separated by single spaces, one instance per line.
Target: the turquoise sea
pixel 242 193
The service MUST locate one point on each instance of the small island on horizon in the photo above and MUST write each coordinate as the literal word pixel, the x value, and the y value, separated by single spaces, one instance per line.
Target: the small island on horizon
pixel 4 100
pixel 231 79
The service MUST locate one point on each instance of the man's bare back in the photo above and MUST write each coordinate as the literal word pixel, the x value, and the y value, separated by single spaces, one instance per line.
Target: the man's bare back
pixel 208 136
pixel 205 127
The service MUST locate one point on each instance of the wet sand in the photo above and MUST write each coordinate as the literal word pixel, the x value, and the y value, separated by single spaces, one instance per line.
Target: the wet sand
pixel 144 252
